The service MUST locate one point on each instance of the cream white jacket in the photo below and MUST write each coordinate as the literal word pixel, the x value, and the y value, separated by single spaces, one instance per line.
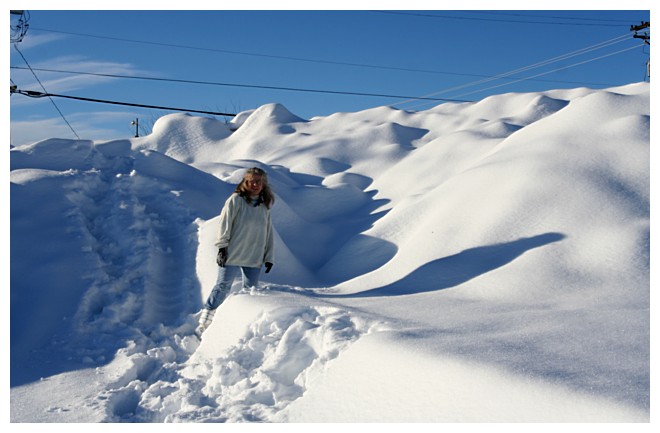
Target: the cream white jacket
pixel 247 233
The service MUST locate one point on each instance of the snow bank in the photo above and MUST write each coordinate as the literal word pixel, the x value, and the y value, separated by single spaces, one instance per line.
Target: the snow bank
pixel 427 263
pixel 381 380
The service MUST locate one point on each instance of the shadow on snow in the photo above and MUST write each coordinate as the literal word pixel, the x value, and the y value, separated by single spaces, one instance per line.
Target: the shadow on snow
pixel 452 271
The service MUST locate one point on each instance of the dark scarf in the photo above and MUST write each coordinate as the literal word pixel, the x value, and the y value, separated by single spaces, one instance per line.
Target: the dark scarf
pixel 256 202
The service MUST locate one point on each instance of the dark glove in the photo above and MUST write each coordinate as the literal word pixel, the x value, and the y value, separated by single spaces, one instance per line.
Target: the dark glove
pixel 269 265
pixel 222 257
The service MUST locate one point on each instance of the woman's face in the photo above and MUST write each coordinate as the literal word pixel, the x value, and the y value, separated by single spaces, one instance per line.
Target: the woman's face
pixel 254 183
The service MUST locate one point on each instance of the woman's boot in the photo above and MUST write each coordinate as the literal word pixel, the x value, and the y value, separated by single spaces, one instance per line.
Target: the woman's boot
pixel 205 320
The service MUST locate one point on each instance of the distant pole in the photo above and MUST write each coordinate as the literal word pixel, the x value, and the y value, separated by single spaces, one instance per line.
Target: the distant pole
pixel 646 38
pixel 20 28
pixel 135 122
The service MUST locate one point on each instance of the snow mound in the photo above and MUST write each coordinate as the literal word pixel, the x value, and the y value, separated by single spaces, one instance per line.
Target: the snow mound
pixel 274 114
pixel 426 263
pixel 181 135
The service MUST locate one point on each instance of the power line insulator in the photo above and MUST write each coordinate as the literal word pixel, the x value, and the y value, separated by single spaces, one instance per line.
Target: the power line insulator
pixel 20 28
pixel 642 26
pixel 645 36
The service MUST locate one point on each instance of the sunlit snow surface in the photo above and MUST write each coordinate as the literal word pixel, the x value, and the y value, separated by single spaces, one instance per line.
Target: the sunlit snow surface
pixel 477 262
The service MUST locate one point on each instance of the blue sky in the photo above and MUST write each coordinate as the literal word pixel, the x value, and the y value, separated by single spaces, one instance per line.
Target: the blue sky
pixel 336 60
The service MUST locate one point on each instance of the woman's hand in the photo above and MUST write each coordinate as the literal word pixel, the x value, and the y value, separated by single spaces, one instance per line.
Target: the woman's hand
pixel 222 257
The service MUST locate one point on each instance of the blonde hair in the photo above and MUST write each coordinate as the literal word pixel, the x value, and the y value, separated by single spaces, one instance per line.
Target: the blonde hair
pixel 266 195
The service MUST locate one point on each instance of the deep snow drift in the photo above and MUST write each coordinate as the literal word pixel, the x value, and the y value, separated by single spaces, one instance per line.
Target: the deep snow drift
pixel 482 261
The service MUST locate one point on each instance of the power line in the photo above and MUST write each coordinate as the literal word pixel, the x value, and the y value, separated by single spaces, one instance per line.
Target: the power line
pixel 546 16
pixel 534 66
pixel 34 94
pixel 455 17
pixel 288 58
pixel 555 70
pixel 427 97
pixel 575 53
pixel 45 92
pixel 542 73
pixel 253 86
pixel 242 53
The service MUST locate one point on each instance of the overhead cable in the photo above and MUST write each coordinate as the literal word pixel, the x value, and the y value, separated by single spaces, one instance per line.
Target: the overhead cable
pixel 542 73
pixel 515 14
pixel 289 58
pixel 579 52
pixel 456 17
pixel 45 91
pixel 532 66
pixel 253 86
pixel 554 70
pixel 34 94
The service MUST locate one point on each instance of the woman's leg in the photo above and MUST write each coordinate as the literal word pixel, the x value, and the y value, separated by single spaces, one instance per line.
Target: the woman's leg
pixel 250 276
pixel 220 291
pixel 222 287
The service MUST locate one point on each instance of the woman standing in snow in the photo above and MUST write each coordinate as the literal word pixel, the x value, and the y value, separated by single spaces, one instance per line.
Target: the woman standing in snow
pixel 245 240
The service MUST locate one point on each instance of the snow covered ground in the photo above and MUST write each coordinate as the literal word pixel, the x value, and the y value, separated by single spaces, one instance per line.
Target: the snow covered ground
pixel 475 262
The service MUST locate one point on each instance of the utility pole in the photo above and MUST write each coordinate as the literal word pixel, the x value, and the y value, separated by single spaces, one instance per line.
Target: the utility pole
pixel 135 122
pixel 646 38
pixel 18 25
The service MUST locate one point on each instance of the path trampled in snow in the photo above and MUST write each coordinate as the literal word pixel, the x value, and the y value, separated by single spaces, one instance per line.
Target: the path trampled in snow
pixel 271 365
pixel 144 240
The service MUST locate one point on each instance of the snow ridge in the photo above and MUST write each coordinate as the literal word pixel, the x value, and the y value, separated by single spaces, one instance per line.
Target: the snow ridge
pixel 144 241
pixel 509 235
pixel 138 240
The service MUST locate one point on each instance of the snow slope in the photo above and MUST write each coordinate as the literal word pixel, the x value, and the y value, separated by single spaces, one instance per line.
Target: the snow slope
pixel 475 262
